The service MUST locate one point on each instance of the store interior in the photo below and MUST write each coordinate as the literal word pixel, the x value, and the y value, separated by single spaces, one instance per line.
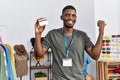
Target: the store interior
pixel 17 19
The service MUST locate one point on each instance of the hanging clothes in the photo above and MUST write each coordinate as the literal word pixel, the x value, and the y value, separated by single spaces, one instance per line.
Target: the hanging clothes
pixel 12 60
pixel 21 57
pixel 9 67
pixel 21 65
pixel 3 73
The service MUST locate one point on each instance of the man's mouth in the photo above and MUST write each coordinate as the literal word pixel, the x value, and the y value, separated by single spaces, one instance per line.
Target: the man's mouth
pixel 70 22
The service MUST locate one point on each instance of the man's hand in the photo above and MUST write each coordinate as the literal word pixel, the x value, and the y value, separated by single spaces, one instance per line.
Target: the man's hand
pixel 39 29
pixel 101 24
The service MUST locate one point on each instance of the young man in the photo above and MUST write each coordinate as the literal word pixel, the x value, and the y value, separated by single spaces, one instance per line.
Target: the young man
pixel 67 45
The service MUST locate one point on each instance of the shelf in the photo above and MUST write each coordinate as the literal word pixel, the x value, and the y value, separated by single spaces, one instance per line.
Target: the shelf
pixel 113 75
pixel 48 67
pixel 104 69
pixel 40 67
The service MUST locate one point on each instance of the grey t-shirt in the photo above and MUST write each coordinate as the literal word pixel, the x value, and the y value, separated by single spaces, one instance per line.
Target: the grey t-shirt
pixel 55 40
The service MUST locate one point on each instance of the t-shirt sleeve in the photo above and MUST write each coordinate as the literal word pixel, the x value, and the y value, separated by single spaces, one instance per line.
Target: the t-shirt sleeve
pixel 46 41
pixel 88 42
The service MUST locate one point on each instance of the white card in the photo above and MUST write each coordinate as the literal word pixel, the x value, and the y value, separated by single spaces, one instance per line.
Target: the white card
pixel 67 62
pixel 43 22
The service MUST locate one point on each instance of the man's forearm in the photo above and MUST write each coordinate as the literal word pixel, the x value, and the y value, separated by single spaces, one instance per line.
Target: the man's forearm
pixel 38 46
pixel 97 48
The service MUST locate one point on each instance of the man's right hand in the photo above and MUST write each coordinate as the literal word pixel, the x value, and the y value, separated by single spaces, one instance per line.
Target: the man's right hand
pixel 39 29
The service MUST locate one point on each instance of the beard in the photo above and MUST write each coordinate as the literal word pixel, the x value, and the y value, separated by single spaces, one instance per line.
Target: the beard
pixel 67 26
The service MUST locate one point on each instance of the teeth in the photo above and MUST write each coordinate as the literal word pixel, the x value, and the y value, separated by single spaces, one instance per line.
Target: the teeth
pixel 70 22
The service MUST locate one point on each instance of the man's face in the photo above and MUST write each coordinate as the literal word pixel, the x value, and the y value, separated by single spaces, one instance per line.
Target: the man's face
pixel 69 18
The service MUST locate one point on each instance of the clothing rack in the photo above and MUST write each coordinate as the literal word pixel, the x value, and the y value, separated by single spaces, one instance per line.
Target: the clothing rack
pixel 7 71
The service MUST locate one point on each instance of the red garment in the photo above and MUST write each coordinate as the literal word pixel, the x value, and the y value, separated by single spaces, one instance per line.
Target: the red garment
pixel 117 70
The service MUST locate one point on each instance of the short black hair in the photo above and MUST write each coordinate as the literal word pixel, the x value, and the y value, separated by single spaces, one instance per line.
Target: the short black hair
pixel 68 7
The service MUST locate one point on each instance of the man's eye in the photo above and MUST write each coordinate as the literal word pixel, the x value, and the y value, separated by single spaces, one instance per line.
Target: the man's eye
pixel 74 15
pixel 66 15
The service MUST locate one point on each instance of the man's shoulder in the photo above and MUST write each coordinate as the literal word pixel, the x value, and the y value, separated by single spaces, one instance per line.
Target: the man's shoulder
pixel 79 31
pixel 55 30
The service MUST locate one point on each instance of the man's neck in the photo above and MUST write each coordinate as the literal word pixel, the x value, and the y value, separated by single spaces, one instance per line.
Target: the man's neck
pixel 68 31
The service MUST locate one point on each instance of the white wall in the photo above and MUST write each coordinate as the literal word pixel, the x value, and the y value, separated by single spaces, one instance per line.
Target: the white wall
pixel 17 18
pixel 108 10
pixel 118 1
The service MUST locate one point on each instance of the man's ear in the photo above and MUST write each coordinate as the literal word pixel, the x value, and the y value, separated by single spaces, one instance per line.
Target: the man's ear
pixel 61 17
